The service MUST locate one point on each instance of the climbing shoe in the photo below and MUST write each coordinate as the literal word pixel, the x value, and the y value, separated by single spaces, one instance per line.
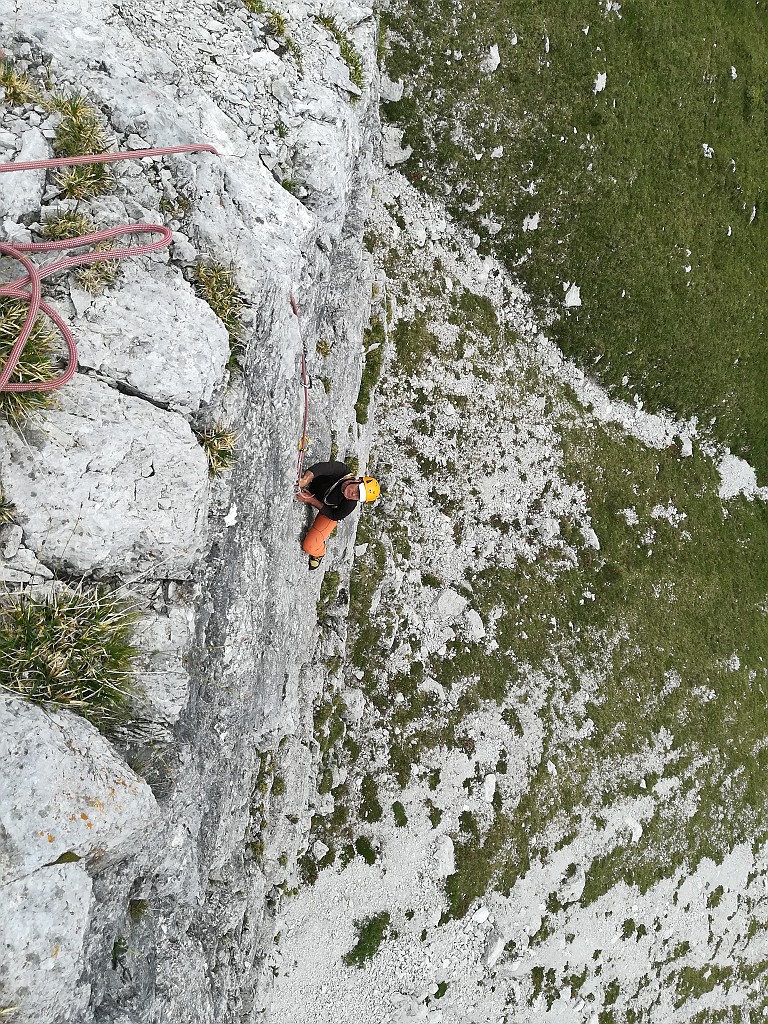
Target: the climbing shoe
pixel 314 563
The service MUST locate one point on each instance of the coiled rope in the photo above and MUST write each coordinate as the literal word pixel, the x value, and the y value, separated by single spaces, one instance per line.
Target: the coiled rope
pixel 306 383
pixel 27 288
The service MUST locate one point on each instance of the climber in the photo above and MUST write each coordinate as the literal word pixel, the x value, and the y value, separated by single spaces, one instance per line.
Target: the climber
pixel 334 490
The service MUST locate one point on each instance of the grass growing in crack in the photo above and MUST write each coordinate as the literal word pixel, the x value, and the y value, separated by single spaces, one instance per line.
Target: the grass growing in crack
pixel 216 284
pixel 371 932
pixel 67 224
pixel 347 49
pixel 73 651
pixel 80 133
pixel 8 512
pixel 36 365
pixel 18 88
pixel 84 181
pixel 219 445
pixel 98 276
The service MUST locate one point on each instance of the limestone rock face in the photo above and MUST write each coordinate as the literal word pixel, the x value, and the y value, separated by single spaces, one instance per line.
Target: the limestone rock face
pixel 21 193
pixel 67 793
pixel 155 335
pixel 99 481
pixel 42 937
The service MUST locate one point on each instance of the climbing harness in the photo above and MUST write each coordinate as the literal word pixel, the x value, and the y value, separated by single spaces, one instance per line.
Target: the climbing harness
pixel 28 287
pixel 306 383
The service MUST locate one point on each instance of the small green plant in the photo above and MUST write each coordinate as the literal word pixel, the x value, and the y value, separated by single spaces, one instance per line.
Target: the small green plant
pixel 219 445
pixel 371 932
pixel 276 23
pixel 37 362
pixel 137 909
pixel 72 650
pixel 8 511
pixel 18 88
pixel 80 132
pixel 84 181
pixel 254 6
pixel 67 224
pixel 216 284
pixel 289 185
pixel 96 277
pixel 347 49
pixel 323 347
pixel 398 812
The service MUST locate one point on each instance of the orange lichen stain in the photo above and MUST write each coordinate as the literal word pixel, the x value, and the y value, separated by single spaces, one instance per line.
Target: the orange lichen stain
pixel 41 833
pixel 95 802
pixel 89 824
pixel 55 951
pixel 72 817
pixel 84 816
pixel 51 838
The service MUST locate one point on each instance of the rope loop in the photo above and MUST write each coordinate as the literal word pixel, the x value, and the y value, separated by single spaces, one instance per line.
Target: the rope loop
pixel 27 288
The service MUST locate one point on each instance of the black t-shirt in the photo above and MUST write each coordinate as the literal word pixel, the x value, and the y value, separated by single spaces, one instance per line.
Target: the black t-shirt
pixel 326 487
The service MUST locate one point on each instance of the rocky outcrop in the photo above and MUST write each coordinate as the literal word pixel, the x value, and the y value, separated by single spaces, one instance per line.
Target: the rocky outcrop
pixel 163 908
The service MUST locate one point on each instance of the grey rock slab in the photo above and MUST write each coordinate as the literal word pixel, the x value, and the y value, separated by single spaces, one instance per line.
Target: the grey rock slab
pixel 97 482
pixel 163 679
pixel 155 335
pixel 22 191
pixel 393 152
pixel 65 792
pixel 42 937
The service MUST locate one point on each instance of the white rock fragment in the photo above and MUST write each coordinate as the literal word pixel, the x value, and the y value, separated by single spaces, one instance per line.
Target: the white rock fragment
pixel 22 192
pixel 231 517
pixel 531 223
pixel 393 152
pixel 492 60
pixel 444 855
pixel 449 605
pixel 600 81
pixel 497 153
pixel 319 849
pixel 488 788
pixel 572 295
pixel 494 947
pixel 480 916
pixel 708 151
pixel 389 91
pixel 738 477
pixel 734 76
pixel 635 828
pixel 473 625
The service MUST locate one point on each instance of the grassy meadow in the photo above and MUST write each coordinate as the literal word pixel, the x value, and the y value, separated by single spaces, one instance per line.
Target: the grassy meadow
pixel 650 193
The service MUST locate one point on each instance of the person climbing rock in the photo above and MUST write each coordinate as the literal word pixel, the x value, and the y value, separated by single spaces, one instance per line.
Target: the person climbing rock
pixel 334 490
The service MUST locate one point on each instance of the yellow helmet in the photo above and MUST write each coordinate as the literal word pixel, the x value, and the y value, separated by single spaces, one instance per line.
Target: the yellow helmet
pixel 371 487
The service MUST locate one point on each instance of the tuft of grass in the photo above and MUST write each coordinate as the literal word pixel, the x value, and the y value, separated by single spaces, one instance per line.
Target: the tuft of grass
pixel 67 224
pixel 98 276
pixel 219 445
pixel 347 49
pixel 18 87
pixel 276 23
pixel 84 181
pixel 254 6
pixel 216 284
pixel 37 363
pixel 73 651
pixel 371 932
pixel 297 53
pixel 8 511
pixel 80 132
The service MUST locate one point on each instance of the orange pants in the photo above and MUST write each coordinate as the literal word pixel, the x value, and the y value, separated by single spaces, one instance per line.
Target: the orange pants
pixel 317 535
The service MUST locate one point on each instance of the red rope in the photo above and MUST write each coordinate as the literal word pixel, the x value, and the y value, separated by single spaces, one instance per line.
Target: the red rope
pixel 27 288
pixel 304 440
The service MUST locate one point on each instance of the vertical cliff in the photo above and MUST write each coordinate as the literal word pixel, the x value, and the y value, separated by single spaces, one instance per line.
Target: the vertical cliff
pixel 141 869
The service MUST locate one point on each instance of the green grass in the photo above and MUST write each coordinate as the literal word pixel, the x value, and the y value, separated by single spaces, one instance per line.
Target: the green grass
pixel 624 197
pixel 36 365
pixel 67 224
pixel 8 511
pixel 220 447
pixel 18 87
pixel 216 284
pixel 73 651
pixel 371 932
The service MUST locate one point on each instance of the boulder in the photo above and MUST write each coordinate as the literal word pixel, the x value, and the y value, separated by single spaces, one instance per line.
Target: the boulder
pixel 65 793
pixel 97 481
